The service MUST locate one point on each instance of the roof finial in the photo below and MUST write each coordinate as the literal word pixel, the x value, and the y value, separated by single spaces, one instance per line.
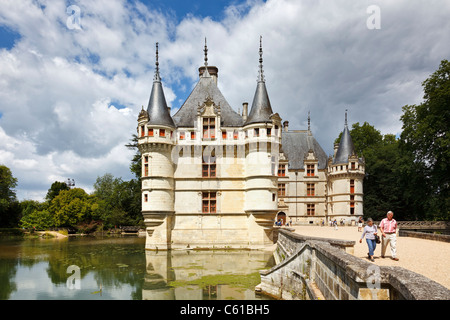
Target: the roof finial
pixel 157 77
pixel 309 121
pixel 261 72
pixel 346 117
pixel 206 54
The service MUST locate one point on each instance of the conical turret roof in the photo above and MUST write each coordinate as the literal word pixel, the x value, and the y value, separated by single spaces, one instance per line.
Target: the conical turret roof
pixel 346 147
pixel 157 109
pixel 261 109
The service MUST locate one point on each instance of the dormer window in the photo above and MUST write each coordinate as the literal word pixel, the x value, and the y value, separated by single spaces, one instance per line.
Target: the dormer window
pixel 310 170
pixel 209 128
pixel 281 170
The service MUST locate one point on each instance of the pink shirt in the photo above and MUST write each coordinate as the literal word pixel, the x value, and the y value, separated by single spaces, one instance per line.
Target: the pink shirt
pixel 388 226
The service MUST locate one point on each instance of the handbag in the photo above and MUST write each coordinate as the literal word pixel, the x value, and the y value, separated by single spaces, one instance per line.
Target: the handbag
pixel 377 239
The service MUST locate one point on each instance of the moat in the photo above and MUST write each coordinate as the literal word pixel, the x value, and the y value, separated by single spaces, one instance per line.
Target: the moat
pixel 119 268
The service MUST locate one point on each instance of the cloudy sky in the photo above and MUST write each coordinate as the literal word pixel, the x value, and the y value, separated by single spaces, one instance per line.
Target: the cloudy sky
pixel 74 74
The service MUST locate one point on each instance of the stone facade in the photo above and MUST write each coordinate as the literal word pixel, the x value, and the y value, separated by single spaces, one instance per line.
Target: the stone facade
pixel 215 178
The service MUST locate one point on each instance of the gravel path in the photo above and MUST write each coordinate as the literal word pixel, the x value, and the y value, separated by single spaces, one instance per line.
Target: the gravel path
pixel 427 257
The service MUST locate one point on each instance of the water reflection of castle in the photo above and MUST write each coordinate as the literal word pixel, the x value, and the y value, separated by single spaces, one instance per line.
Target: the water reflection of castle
pixel 175 275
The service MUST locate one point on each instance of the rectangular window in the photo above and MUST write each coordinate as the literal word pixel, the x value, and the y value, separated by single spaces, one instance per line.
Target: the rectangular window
pixel 209 166
pixel 310 189
pixel 150 132
pixel 310 170
pixel 193 135
pixel 145 166
pixel 310 209
pixel 256 132
pixel 269 132
pixel 162 132
pixel 209 128
pixel 146 197
pixel 208 202
pixel 352 186
pixel 224 135
pixel 353 166
pixel 281 170
pixel 182 135
pixel 142 131
pixel 281 190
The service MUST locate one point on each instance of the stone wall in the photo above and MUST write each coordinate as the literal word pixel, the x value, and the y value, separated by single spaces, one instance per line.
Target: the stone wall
pixel 313 269
pixel 425 235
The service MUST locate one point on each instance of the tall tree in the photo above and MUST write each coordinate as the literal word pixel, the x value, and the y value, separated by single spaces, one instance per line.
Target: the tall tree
pixel 426 136
pixel 55 189
pixel 9 206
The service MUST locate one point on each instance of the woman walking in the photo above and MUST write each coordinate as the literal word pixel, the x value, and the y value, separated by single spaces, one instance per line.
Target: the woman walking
pixel 370 231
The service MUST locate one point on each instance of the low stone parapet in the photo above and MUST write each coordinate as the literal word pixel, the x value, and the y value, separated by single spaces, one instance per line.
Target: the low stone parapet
pixel 311 269
pixel 425 235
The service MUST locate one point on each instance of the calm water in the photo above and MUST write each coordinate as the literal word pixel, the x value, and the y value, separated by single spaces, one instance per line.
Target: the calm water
pixel 120 268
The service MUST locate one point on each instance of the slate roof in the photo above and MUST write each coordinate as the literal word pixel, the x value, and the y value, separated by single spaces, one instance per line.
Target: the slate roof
pixel 345 149
pixel 157 107
pixel 206 87
pixel 296 145
pixel 261 108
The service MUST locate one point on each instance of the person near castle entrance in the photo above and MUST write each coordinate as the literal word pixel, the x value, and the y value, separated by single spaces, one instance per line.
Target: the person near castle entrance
pixel 388 227
pixel 370 230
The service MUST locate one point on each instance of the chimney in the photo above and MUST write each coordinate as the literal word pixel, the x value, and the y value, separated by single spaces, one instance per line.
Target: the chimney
pixel 286 125
pixel 244 111
pixel 213 72
pixel 336 146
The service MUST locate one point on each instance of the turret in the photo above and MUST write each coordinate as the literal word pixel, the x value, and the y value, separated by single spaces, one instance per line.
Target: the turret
pixel 345 184
pixel 262 149
pixel 155 144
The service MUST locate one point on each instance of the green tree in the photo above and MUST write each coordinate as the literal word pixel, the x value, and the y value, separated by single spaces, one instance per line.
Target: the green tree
pixel 73 206
pixel 118 202
pixel 9 206
pixel 136 164
pixel 426 137
pixel 55 189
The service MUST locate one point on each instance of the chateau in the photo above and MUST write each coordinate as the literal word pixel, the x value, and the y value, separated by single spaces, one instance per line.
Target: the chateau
pixel 216 178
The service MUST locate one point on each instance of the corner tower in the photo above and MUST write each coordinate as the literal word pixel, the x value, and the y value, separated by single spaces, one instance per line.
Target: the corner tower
pixel 155 131
pixel 262 144
pixel 345 180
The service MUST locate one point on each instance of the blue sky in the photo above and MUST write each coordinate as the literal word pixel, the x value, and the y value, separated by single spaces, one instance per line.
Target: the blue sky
pixel 7 37
pixel 69 97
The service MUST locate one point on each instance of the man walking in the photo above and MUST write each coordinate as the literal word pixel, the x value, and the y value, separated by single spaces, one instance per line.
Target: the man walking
pixel 388 227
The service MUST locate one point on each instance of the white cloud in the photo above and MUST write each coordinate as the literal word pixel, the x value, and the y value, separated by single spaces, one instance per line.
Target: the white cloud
pixel 69 98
